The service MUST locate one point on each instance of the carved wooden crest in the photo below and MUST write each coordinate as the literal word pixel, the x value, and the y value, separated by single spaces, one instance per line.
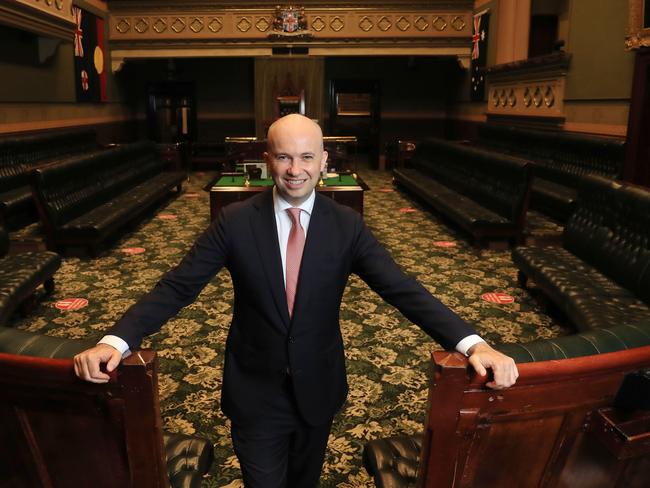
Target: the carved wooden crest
pixel 290 21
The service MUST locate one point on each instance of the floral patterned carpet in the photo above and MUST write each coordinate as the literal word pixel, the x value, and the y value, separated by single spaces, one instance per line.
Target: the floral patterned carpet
pixel 387 356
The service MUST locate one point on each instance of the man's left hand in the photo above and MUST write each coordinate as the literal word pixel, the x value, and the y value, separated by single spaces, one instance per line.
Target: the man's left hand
pixel 482 356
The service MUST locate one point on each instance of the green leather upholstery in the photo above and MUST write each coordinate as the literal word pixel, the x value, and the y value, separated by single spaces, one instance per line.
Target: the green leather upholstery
pixel 86 199
pixel 583 344
pixel 19 154
pixel 4 241
pixel 601 275
pixel 573 154
pixel 560 160
pixel 485 193
pixel 21 274
pixel 600 278
pixel 13 341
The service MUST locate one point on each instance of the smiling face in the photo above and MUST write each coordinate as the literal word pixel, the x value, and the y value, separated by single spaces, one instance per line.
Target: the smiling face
pixel 295 157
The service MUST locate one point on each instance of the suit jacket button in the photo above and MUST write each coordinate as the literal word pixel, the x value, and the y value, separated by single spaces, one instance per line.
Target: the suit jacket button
pixel 291 340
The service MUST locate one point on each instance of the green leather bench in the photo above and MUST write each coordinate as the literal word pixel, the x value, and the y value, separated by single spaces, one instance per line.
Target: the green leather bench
pixel 483 192
pixel 19 154
pixel 21 274
pixel 600 276
pixel 86 200
pixel 560 160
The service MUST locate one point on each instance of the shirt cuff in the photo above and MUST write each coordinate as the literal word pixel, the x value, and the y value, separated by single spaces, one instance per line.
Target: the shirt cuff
pixel 465 344
pixel 118 343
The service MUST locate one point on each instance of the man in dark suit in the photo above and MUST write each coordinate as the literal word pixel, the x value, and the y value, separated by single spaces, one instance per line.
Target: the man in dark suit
pixel 289 252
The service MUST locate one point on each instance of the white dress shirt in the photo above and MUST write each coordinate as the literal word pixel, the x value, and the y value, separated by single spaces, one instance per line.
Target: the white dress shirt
pixel 283 225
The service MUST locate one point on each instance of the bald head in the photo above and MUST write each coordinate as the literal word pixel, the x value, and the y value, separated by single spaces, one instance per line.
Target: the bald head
pixel 295 157
pixel 294 125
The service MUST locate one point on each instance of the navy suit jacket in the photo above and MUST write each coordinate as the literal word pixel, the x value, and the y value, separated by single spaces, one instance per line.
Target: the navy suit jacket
pixel 263 341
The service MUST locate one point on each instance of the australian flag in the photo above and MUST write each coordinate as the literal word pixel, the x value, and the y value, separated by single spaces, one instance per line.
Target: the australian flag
pixel 89 59
pixel 479 55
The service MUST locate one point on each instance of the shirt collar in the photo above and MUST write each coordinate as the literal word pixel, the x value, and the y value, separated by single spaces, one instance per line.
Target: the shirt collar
pixel 281 205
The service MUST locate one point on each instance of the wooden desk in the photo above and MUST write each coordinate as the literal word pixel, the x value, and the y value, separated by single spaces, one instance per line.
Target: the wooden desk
pixel 347 191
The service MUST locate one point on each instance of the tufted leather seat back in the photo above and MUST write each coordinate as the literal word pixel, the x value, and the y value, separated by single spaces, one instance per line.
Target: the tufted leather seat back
pixel 628 248
pixel 18 154
pixel 610 230
pixel 494 181
pixel 98 178
pixel 4 241
pixel 616 338
pixel 12 175
pixel 14 341
pixel 568 154
pixel 587 228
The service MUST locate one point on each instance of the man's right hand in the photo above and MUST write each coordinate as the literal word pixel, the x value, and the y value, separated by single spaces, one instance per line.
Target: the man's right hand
pixel 86 364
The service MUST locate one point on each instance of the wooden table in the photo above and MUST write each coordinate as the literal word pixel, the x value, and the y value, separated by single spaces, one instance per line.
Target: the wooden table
pixel 347 190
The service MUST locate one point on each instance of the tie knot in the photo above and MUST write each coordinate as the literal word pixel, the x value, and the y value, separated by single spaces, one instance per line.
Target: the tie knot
pixel 294 215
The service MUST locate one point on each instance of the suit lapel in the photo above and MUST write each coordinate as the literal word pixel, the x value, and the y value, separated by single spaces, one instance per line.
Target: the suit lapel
pixel 266 239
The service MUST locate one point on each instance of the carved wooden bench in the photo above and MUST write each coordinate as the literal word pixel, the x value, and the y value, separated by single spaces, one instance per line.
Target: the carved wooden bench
pixel 58 430
pixel 566 422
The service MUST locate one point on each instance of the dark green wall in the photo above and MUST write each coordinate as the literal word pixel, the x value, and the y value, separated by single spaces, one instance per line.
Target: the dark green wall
pixel 26 79
pixel 601 68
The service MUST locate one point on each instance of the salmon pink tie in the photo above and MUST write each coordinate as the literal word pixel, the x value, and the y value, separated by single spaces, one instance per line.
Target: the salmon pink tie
pixel 295 246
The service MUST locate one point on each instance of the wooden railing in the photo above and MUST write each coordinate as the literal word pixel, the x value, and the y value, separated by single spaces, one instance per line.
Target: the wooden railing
pixel 558 426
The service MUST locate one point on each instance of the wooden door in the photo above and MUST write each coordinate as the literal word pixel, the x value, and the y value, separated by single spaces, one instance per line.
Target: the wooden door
pixel 354 110
pixel 171 111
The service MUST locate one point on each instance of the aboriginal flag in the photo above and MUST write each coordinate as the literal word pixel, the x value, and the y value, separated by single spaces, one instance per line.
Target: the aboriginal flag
pixel 479 55
pixel 89 66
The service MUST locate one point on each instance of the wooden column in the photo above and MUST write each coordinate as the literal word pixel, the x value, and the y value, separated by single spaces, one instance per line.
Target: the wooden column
pixel 513 29
pixel 636 168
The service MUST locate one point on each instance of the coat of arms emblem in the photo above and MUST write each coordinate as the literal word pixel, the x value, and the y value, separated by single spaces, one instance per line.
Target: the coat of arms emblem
pixel 290 21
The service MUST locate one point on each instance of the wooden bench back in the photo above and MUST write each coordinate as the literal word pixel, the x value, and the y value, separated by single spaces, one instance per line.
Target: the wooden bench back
pixel 550 429
pixel 59 431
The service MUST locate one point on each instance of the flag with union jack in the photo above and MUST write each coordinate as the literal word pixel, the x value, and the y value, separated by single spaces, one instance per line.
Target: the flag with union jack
pixel 479 55
pixel 89 60
pixel 78 33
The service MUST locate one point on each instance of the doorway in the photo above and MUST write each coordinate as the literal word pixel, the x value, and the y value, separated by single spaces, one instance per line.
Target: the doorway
pixel 354 110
